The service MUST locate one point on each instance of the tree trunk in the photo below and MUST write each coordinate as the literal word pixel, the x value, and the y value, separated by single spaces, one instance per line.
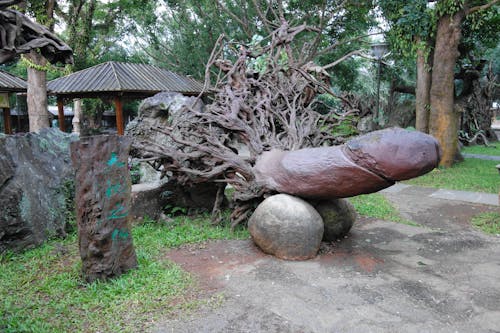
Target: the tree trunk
pixel 422 92
pixel 443 118
pixel 37 93
pixel 49 8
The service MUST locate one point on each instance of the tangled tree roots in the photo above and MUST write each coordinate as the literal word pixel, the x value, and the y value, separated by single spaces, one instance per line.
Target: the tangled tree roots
pixel 263 99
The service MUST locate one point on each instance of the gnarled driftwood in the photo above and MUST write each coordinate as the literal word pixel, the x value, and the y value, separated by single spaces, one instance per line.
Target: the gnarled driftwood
pixel 19 34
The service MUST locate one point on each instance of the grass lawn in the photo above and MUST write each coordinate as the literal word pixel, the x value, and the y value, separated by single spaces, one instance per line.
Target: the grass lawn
pixel 375 205
pixel 487 222
pixel 42 289
pixel 470 175
pixel 493 149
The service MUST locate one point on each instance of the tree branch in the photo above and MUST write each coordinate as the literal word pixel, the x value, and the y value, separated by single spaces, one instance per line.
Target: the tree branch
pixel 482 7
pixel 338 61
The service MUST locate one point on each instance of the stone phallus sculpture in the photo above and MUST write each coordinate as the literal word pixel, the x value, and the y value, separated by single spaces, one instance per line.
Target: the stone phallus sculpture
pixel 366 164
pixel 363 165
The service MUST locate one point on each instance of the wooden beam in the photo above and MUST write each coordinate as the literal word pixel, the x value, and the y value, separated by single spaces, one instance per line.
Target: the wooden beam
pixel 119 116
pixel 60 114
pixel 6 121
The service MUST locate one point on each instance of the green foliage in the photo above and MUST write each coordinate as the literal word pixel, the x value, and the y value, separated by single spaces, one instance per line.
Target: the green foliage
pixel 356 20
pixel 487 222
pixel 494 55
pixel 42 289
pixel 182 36
pixel 480 31
pixel 449 7
pixel 97 30
pixel 346 128
pixel 20 68
pixel 38 10
pixel 172 210
pixel 411 25
pixel 470 175
pixel 349 76
pixel 325 103
pixel 135 172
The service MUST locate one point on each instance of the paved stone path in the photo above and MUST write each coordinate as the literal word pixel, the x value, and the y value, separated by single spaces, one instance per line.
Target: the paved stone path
pixel 482 157
pixel 439 276
pixel 454 195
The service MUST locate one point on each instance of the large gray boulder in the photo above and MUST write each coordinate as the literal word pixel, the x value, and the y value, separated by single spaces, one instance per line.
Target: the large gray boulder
pixel 287 227
pixel 158 111
pixel 161 111
pixel 36 186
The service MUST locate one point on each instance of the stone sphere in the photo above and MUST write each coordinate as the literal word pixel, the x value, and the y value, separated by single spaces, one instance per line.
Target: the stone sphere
pixel 286 227
pixel 338 217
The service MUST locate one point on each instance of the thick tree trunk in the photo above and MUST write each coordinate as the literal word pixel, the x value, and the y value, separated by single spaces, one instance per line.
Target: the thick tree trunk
pixel 443 118
pixel 422 92
pixel 37 93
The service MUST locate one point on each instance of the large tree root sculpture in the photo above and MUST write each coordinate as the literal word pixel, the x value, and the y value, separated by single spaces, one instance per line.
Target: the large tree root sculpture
pixel 269 113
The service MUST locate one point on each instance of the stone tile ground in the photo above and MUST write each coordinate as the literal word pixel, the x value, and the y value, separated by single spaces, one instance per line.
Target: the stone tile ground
pixel 442 276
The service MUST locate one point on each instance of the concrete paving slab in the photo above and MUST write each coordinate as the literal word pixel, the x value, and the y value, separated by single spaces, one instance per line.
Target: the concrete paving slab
pixel 384 277
pixel 482 157
pixel 474 197
pixel 454 195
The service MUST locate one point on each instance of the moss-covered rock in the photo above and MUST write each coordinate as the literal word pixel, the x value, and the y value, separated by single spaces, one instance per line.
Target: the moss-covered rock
pixel 338 217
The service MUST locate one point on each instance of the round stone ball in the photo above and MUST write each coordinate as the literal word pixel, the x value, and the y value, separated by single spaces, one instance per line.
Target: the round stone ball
pixel 287 227
pixel 338 217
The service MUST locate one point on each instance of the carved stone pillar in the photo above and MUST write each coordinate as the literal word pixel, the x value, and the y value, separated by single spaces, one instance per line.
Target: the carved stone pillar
pixel 103 203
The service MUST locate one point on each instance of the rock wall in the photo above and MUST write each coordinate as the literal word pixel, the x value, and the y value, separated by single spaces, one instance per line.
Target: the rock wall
pixel 36 182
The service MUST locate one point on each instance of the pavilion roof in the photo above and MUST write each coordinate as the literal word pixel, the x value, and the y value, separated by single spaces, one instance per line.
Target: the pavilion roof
pixel 11 83
pixel 118 78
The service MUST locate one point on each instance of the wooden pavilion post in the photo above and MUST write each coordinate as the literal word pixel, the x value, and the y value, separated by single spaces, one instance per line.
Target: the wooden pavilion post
pixel 6 121
pixel 60 114
pixel 119 116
